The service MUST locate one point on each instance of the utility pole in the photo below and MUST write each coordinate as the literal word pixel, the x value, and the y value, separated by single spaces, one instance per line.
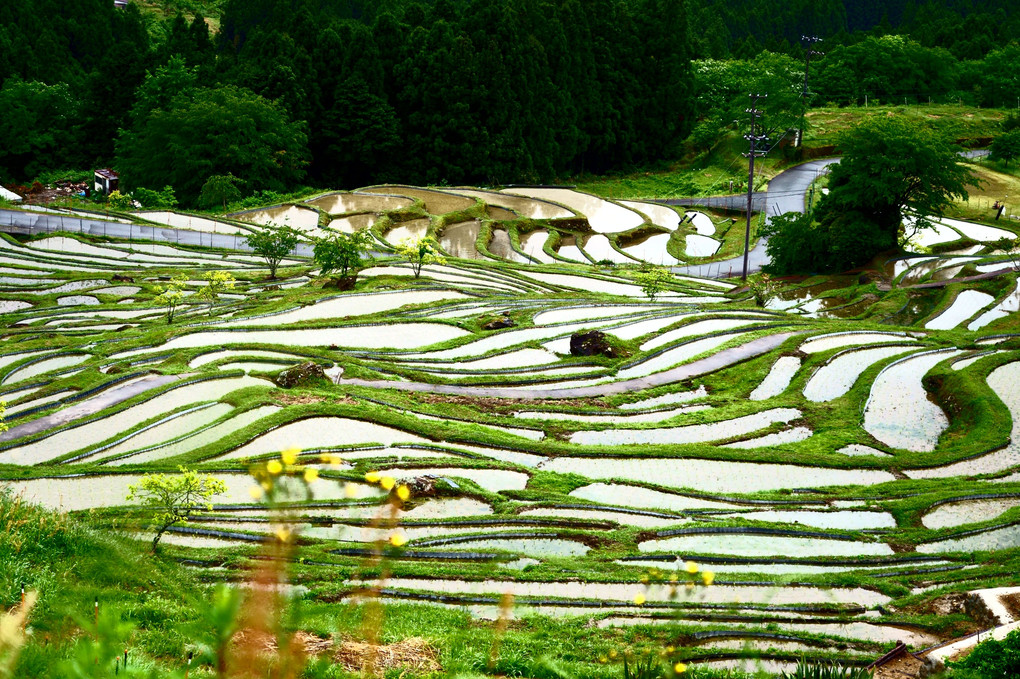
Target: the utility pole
pixel 808 41
pixel 754 139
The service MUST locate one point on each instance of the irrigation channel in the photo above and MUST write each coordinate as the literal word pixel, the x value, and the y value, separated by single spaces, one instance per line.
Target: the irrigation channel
pixel 842 460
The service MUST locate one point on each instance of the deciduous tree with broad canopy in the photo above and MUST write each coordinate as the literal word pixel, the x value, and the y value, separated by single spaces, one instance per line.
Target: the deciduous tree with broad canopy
pixel 173 497
pixel 272 243
pixel 892 171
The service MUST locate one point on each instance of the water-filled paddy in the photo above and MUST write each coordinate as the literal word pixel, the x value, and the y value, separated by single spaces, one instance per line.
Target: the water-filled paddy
pixel 898 412
pixel 711 476
pixel 603 215
pixel 968 511
pixel 778 378
pixel 836 377
pixel 340 203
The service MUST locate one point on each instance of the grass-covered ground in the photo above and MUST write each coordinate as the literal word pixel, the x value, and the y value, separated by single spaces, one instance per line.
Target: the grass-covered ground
pixel 517 503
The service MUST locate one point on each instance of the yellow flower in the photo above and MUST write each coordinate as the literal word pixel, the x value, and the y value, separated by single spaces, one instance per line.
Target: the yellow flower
pixel 387 483
pixel 613 654
pixel 255 492
pixel 311 473
pixel 351 490
pixel 372 477
pixel 689 585
pixel 283 533
pixel 290 455
pixel 708 577
pixel 639 599
pixel 267 485
pixel 671 649
pixel 334 460
pixel 679 668
pixel 691 567
pixel 403 492
pixel 398 540
pixel 274 467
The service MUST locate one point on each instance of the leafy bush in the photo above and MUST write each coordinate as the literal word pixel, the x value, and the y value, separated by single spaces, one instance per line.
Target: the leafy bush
pixel 991 659
pixel 162 200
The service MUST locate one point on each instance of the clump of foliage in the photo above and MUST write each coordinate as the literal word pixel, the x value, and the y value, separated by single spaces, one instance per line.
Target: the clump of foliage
pixel 1005 147
pixel 419 252
pixel 822 670
pixel 341 252
pixel 220 189
pixel 161 200
pixel 762 288
pixel 890 170
pixel 173 497
pixel 991 659
pixel 118 201
pixel 272 243
pixel 170 295
pixel 218 282
pixel 654 281
pixel 3 409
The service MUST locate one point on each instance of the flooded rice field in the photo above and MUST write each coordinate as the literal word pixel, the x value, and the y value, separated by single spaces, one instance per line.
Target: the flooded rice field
pixel 807 456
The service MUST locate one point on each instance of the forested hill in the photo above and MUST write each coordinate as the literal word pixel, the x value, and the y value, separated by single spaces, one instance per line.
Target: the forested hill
pixel 344 93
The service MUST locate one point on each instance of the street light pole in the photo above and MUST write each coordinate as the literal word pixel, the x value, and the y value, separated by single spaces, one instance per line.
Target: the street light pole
pixel 754 139
pixel 808 53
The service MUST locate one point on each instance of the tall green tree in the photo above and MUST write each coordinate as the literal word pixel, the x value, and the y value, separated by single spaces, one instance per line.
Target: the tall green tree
pixel 214 132
pixel 894 178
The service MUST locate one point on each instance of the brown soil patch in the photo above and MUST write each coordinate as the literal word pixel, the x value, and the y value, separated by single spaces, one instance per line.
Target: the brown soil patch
pixel 948 604
pixel 1012 604
pixel 413 653
pixel 266 644
pixel 900 668
pixel 283 398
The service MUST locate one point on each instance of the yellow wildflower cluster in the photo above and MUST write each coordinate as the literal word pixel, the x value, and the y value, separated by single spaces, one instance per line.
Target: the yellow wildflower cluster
pixel 267 474
pixel 399 494
pixel 691 576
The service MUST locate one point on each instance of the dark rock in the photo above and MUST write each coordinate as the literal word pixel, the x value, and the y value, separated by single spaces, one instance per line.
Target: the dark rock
pixel 591 343
pixel 303 374
pixel 497 324
pixel 123 278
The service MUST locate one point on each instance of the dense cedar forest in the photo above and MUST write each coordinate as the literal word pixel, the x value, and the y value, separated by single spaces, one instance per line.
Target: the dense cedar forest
pixel 343 93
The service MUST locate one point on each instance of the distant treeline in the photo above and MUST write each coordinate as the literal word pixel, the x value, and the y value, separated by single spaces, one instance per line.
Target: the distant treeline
pixel 352 92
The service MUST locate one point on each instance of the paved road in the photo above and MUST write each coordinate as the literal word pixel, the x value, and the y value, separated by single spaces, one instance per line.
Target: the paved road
pixel 785 194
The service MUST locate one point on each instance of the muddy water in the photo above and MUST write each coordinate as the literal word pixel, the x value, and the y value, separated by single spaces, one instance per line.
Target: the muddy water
pixel 660 215
pixel 604 216
pixel 600 249
pixel 653 250
pixel 535 209
pixel 460 240
pixel 353 223
pixel 500 247
pixel 323 433
pixel 416 228
pixel 341 203
pixel 300 218
pixel 531 245
pixel 436 202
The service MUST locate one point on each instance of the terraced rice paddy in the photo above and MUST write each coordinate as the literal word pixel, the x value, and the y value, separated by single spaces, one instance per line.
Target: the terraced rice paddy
pixel 837 473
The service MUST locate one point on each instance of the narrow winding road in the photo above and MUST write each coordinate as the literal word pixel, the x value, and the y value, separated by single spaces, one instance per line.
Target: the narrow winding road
pixel 785 194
